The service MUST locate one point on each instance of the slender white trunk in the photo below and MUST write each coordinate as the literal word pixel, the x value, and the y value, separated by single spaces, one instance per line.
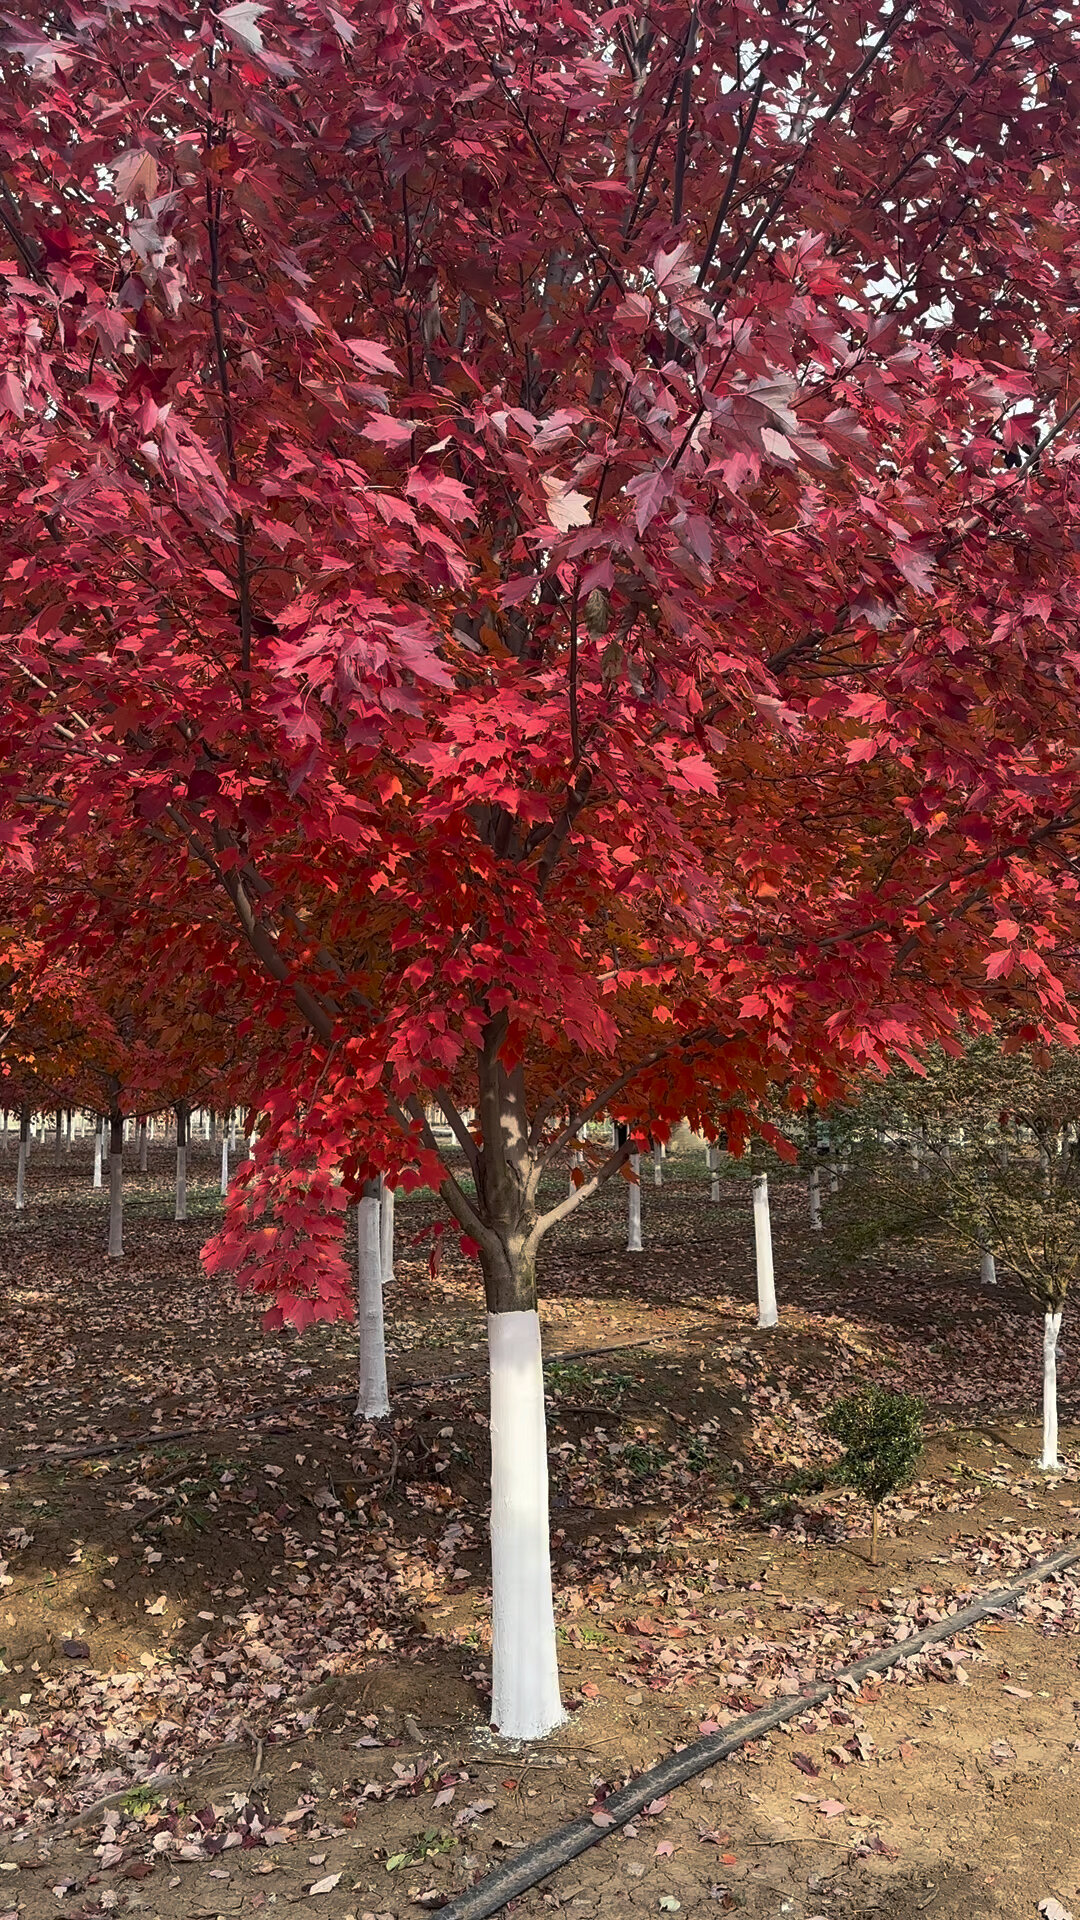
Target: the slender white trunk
pixel 4 1135
pixel 815 1198
pixel 232 1134
pixel 657 1164
pixel 20 1179
pixel 386 1231
pixel 142 1146
pixel 373 1401
pixel 988 1269
pixel 116 1206
pixel 633 1237
pixel 224 1160
pixel 97 1154
pixel 1051 1329
pixel 766 1286
pixel 181 1183
pixel 712 1162
pixel 834 1172
pixel 58 1138
pixel 526 1702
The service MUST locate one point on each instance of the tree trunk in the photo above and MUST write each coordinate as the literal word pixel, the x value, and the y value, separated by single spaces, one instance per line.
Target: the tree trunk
pixel 834 1170
pixel 232 1134
pixel 988 1269
pixel 143 1146
pixel 99 1148
pixel 181 1161
pixel 224 1159
pixel 24 1150
pixel 712 1162
pixel 815 1197
pixel 386 1232
pixel 116 1186
pixel 1051 1329
pixel 915 1159
pixel 58 1139
pixel 526 1702
pixel 373 1400
pixel 657 1164
pixel 763 1253
pixel 633 1237
pixel 211 1128
pixel 874 1521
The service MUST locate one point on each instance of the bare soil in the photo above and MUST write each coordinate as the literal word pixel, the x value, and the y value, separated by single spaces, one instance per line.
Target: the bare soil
pixel 221 1587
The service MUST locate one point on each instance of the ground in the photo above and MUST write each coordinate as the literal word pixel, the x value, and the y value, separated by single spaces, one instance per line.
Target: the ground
pixel 245 1641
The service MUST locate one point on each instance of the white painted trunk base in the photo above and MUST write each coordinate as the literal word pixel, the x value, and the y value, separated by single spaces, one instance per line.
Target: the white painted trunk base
pixel 1051 1329
pixel 526 1702
pixel 633 1236
pixel 386 1232
pixel 20 1179
pixel 815 1199
pixel 834 1174
pixel 224 1161
pixel 763 1256
pixel 181 1184
pixel 712 1162
pixel 144 1145
pixel 116 1206
pixel 988 1269
pixel 658 1165
pixel 372 1400
pixel 97 1157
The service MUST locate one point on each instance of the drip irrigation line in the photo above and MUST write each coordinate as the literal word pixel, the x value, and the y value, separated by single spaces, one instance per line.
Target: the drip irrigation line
pixel 545 1856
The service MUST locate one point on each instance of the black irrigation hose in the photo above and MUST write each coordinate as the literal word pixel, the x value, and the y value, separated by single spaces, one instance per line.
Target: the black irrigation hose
pixel 557 1849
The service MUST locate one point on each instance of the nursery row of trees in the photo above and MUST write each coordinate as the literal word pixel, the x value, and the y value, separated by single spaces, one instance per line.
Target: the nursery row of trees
pixel 539 582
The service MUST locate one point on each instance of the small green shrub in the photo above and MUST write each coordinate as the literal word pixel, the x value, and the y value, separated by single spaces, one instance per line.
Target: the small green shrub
pixel 883 1435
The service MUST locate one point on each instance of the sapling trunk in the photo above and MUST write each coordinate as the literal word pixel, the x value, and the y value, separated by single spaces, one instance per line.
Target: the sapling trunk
pixel 58 1138
pixel 69 1129
pixel 875 1521
pixel 224 1159
pixel 526 1702
pixel 372 1401
pixel 763 1253
pixel 834 1171
pixel 712 1162
pixel 657 1164
pixel 815 1198
pixel 24 1149
pixel 988 1269
pixel 1051 1329
pixel 232 1133
pixel 633 1237
pixel 386 1230
pixel 116 1186
pixel 181 1161
pixel 99 1147
pixel 143 1146
pixel 4 1135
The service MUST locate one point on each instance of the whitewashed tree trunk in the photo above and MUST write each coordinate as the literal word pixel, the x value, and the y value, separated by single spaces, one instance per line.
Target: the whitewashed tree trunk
pixel 116 1187
pixel 815 1198
pixel 763 1253
pixel 373 1401
pixel 526 1702
pixel 20 1176
pixel 1051 1329
pixel 834 1170
pixel 99 1145
pixel 181 1212
pixel 386 1231
pixel 988 1269
pixel 633 1236
pixel 224 1160
pixel 657 1164
pixel 712 1162
pixel 144 1146
pixel 232 1134
pixel 58 1139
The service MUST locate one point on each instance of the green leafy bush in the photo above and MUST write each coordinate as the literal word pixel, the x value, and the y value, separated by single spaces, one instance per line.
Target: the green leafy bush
pixel 883 1435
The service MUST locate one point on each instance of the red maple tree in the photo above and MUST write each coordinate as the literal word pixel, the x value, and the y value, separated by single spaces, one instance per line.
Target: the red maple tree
pixel 552 532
